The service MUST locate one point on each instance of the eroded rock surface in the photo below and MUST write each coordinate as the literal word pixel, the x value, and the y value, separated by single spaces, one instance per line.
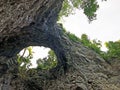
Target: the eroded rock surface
pixel 33 23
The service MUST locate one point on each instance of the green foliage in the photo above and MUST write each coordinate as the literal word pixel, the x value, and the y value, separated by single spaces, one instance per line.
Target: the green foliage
pixel 89 7
pixel 66 8
pixel 93 44
pixel 72 37
pixel 85 40
pixel 76 3
pixel 96 46
pixel 48 62
pixel 24 62
pixel 113 49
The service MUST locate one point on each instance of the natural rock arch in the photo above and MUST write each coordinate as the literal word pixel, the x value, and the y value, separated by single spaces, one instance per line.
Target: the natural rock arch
pixel 33 23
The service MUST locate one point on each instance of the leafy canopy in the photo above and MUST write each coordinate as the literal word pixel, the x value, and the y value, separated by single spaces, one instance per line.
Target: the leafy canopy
pixel 89 7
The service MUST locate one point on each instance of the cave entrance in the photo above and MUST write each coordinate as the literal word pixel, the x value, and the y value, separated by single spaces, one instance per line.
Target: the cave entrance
pixel 37 57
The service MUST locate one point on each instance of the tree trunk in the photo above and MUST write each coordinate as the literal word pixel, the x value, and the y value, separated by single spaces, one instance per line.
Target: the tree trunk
pixel 26 23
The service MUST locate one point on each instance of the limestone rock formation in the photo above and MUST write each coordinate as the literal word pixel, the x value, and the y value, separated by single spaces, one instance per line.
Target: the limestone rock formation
pixel 26 23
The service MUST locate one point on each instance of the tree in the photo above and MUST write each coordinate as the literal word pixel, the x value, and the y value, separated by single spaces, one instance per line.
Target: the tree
pixel 33 23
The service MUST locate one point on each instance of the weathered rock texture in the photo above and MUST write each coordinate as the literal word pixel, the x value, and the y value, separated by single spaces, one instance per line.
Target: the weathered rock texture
pixel 33 23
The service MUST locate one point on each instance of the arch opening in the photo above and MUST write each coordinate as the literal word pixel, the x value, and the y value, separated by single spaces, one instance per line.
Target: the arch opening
pixel 37 57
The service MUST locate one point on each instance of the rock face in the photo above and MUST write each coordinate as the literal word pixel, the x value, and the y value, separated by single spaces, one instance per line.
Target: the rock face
pixel 33 23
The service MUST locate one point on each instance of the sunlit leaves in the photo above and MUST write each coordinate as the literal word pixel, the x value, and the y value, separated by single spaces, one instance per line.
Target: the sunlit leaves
pixel 76 3
pixel 93 44
pixel 72 37
pixel 66 9
pixel 89 7
pixel 85 40
pixel 48 62
pixel 113 49
pixel 24 61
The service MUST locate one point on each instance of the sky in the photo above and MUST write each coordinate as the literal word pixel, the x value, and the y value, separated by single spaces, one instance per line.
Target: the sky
pixel 105 28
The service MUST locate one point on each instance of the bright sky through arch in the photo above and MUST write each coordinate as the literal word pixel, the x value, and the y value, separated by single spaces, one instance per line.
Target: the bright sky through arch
pixel 105 28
